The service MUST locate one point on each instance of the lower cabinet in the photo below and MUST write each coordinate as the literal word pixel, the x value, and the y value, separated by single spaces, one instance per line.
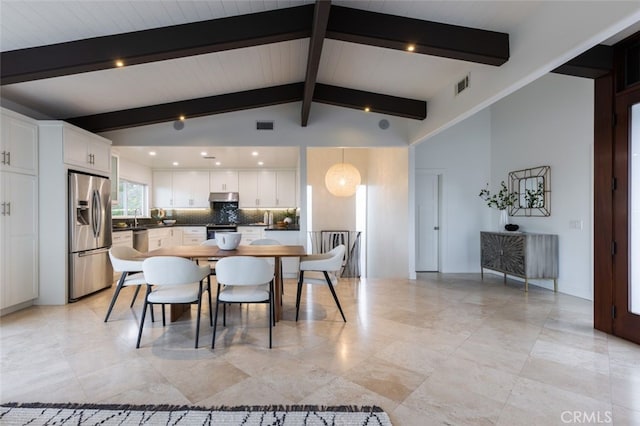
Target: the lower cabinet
pixel 124 239
pixel 522 255
pixel 159 237
pixel 193 235
pixel 250 234
pixel 18 238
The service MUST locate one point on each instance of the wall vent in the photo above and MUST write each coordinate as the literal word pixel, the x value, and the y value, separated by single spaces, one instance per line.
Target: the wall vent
pixel 462 85
pixel 264 125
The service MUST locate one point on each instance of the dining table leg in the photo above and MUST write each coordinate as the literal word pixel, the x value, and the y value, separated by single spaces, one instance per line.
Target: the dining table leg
pixel 278 288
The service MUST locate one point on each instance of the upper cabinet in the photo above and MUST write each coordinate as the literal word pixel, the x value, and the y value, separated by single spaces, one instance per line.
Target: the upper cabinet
pixel 223 181
pixel 180 189
pixel 257 188
pixel 18 143
pixel 267 188
pixel 286 193
pixel 191 188
pixel 86 150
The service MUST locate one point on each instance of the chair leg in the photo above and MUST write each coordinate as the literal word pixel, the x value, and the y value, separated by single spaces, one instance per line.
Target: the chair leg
pixel 271 308
pixel 333 292
pixel 164 320
pixel 224 314
pixel 134 296
pixel 215 319
pixel 199 312
pixel 144 311
pixel 115 294
pixel 209 294
pixel 299 294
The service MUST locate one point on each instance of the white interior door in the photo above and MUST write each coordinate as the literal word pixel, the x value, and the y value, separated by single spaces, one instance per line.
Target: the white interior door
pixel 428 221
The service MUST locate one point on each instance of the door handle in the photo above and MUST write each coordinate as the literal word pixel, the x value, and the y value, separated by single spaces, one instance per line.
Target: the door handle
pixel 9 208
pixel 3 207
pixel 436 228
pixel 4 156
pixel 8 161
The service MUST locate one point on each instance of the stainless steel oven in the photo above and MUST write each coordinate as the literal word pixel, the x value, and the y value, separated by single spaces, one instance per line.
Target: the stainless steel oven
pixel 213 228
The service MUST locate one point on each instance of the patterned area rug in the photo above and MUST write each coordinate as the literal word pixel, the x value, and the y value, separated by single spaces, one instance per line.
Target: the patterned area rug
pixel 34 414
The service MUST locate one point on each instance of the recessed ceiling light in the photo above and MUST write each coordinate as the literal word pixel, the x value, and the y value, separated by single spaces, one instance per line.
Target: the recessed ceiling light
pixel 119 63
pixel 367 109
pixel 254 153
pixel 152 153
pixel 260 163
pixel 411 48
pixel 182 118
pixel 218 163
pixel 175 163
pixel 203 153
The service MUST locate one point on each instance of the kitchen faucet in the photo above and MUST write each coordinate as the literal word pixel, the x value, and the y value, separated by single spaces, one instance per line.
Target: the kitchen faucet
pixel 135 218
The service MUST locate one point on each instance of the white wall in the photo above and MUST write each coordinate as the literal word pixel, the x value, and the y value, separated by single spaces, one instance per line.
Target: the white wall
pixel 548 122
pixel 134 172
pixel 387 212
pixel 462 156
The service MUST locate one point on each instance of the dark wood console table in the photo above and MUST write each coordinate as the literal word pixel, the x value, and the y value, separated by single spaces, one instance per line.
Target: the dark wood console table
pixel 524 255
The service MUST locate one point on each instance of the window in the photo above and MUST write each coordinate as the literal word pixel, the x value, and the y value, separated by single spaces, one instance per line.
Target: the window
pixel 131 196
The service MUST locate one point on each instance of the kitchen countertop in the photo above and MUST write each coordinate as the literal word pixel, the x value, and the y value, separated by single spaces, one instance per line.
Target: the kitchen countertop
pixel 154 226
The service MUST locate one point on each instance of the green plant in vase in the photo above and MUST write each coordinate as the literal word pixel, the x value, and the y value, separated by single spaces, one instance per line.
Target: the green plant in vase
pixel 501 201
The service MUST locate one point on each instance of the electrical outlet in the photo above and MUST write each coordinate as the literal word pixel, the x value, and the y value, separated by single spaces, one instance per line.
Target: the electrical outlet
pixel 575 224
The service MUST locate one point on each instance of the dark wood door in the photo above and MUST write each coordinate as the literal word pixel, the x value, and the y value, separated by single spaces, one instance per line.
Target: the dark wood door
pixel 626 261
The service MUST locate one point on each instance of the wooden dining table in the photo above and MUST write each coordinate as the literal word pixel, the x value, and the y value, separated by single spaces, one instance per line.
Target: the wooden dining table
pixel 211 252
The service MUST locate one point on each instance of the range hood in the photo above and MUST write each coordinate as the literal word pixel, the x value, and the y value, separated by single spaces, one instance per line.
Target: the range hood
pixel 224 197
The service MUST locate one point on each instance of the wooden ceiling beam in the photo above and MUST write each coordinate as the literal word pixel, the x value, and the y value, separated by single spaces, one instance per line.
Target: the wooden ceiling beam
pixel 190 108
pixel 429 38
pixel 318 31
pixel 155 44
pixel 358 99
pixel 594 63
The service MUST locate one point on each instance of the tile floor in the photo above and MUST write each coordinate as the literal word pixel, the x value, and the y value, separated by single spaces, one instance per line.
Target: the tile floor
pixel 445 349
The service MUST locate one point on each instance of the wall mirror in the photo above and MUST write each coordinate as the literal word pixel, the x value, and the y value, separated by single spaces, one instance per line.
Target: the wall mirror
pixel 533 190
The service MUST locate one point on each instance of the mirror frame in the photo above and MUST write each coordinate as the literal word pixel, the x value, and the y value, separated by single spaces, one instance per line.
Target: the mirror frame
pixel 523 206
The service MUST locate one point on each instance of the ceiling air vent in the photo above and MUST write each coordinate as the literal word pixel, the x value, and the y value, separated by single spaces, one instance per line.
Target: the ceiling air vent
pixel 264 125
pixel 462 85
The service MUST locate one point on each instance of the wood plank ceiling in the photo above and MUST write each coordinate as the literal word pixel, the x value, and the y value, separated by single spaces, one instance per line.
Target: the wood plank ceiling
pixel 320 22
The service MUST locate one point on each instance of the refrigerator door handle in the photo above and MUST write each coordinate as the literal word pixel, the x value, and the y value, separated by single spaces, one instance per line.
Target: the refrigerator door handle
pixel 97 214
pixel 92 252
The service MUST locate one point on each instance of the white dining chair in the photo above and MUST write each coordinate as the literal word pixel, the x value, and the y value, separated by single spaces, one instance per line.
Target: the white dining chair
pixel 329 264
pixel 128 261
pixel 175 280
pixel 243 279
pixel 211 260
pixel 271 260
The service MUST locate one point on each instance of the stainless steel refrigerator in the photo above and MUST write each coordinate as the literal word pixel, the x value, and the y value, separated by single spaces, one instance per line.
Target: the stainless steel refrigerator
pixel 90 269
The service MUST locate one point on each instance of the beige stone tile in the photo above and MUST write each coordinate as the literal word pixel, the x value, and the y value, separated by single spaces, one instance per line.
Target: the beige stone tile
pixel 118 378
pixel 574 357
pixel 549 402
pixel 569 378
pixel 386 379
pixel 250 391
pixel 625 386
pixel 159 393
pixel 625 416
pixel 491 355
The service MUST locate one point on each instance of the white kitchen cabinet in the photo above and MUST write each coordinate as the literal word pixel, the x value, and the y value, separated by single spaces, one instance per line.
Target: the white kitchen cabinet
pixel 122 238
pixel 162 189
pixel 223 181
pixel 86 150
pixel 193 235
pixel 18 238
pixel 175 236
pixel 257 188
pixel 159 237
pixel 18 143
pixel 286 188
pixel 190 188
pixel 250 234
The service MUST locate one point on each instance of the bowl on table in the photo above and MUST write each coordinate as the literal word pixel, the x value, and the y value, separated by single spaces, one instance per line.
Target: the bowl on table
pixel 228 240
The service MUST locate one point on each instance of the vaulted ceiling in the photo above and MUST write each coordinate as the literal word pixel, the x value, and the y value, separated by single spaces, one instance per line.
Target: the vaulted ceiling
pixel 198 58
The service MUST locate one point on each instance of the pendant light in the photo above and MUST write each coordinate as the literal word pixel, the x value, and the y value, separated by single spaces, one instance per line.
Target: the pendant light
pixel 342 179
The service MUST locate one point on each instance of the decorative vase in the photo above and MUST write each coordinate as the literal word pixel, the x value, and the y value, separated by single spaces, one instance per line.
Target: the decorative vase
pixel 504 219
